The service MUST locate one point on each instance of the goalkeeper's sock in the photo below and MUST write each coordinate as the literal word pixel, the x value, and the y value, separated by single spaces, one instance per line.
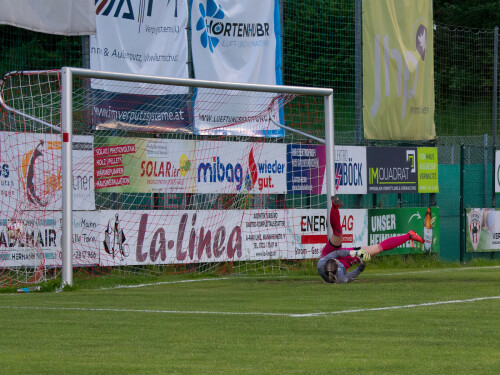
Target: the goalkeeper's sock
pixel 393 242
pixel 335 221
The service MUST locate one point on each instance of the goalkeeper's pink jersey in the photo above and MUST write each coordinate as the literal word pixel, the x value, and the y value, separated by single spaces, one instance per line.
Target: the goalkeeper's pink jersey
pixel 347 261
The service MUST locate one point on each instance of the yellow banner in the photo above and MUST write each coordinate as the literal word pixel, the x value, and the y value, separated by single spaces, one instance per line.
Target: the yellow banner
pixel 398 70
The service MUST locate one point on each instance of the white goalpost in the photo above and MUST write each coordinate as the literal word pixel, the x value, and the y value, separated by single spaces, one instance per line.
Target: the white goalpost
pixel 160 175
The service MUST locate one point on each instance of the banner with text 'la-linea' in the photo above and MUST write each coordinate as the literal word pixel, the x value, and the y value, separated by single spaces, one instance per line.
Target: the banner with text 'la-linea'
pixel 398 70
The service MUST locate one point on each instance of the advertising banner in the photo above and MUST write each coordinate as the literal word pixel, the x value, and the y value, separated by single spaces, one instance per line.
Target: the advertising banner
pixel 385 223
pixel 31 174
pixel 137 165
pixel 497 171
pixel 307 164
pixel 40 243
pixel 483 230
pixel 392 170
pixel 234 167
pixel 141 37
pixel 427 170
pixel 307 231
pixel 398 70
pixel 156 237
pixel 236 41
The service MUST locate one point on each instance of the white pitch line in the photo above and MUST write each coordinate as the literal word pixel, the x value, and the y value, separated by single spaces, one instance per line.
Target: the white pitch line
pixel 284 276
pixel 46 308
pixel 397 307
pixel 161 283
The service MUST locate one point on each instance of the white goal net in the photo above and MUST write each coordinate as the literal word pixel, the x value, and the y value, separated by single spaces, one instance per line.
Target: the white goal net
pixel 165 177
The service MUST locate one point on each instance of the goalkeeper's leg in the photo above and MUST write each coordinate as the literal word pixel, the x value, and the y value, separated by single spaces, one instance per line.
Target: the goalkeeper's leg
pixel 336 238
pixel 392 243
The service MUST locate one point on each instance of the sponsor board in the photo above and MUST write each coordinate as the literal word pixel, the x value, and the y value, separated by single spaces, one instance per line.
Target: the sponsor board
pixel 40 244
pixel 182 237
pixel 307 165
pixel 483 230
pixel 136 165
pixel 141 37
pixel 385 223
pixel 237 41
pixel 307 231
pixel 392 170
pixel 31 172
pixel 236 167
pixel 398 70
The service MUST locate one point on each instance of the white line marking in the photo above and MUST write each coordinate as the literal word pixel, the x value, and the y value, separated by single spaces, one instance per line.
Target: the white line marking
pixel 398 307
pixel 46 308
pixel 285 276
pixel 162 283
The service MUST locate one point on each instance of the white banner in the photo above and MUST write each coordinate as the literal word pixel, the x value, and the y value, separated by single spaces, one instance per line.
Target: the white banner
pixel 181 237
pixel 31 175
pixel 40 243
pixel 309 228
pixel 233 167
pixel 497 171
pixel 140 37
pixel 64 17
pixel 236 41
pixel 350 170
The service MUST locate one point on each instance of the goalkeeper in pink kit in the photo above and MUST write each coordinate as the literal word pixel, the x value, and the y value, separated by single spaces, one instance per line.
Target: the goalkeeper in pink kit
pixel 335 260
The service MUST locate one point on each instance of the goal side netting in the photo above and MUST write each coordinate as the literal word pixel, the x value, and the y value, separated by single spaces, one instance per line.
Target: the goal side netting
pixel 106 174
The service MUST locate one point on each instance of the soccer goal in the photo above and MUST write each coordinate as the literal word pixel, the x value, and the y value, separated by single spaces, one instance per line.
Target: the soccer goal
pixel 119 174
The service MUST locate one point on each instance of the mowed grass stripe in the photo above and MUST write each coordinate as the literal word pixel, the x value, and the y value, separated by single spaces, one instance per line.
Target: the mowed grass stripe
pixel 148 311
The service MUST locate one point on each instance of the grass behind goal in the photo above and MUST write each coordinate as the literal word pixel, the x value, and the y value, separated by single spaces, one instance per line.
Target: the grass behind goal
pixel 419 321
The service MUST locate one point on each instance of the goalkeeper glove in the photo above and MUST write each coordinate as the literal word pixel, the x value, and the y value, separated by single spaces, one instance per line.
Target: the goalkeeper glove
pixel 364 255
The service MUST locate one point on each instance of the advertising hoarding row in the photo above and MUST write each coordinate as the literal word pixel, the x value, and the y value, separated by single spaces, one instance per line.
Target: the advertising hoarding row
pixel 156 165
pixel 30 172
pixel 141 237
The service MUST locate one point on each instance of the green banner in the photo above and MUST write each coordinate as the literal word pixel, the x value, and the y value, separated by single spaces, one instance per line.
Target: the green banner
pixel 427 170
pixel 398 70
pixel 385 223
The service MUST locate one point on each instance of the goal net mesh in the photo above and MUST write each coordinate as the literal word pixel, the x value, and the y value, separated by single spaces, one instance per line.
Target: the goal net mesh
pixel 165 179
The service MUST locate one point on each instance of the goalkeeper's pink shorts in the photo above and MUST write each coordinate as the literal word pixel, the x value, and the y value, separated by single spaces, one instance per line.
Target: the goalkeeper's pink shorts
pixel 347 261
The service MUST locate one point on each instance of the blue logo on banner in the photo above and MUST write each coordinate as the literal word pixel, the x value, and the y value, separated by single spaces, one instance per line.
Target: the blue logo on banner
pixel 212 11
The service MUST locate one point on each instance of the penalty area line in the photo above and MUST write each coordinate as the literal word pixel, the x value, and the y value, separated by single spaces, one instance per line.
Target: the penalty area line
pixel 307 315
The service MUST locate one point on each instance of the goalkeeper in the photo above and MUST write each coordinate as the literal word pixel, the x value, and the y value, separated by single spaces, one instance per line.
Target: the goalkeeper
pixel 335 260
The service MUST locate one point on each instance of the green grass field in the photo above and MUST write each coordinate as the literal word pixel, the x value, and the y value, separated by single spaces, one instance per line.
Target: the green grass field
pixel 389 321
